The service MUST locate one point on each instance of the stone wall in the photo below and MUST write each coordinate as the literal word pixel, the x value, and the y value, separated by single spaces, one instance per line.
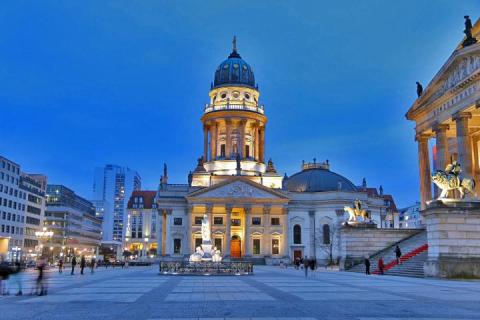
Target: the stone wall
pixel 358 242
pixel 453 230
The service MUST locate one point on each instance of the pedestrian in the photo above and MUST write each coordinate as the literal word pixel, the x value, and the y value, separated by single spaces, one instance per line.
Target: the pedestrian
pixel 381 265
pixel 367 266
pixel 40 289
pixel 312 264
pixel 83 262
pixel 60 265
pixel 398 254
pixel 5 272
pixel 18 277
pixel 305 266
pixel 92 265
pixel 74 263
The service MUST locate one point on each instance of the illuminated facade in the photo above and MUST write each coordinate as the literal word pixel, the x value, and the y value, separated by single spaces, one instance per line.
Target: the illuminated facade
pixel 447 111
pixel 255 212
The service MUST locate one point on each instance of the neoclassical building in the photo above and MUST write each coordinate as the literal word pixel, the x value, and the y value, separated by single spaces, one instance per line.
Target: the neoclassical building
pixel 255 212
pixel 447 111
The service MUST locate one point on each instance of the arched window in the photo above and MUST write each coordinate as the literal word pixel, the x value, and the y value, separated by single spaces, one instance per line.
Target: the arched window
pixel 326 234
pixel 297 234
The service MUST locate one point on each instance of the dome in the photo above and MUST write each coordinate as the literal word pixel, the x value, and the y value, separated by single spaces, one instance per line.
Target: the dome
pixel 234 71
pixel 318 178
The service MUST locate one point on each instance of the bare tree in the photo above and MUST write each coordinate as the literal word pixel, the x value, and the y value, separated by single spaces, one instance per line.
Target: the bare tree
pixel 326 240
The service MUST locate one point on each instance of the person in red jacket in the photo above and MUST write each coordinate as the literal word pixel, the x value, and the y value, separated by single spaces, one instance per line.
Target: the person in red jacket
pixel 381 265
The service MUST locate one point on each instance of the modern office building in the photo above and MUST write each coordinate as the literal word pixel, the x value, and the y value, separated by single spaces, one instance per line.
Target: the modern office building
pixel 113 185
pixel 34 188
pixel 71 218
pixel 22 209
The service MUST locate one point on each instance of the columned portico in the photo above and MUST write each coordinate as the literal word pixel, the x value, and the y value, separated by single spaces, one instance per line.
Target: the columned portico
pixel 228 230
pixel 248 239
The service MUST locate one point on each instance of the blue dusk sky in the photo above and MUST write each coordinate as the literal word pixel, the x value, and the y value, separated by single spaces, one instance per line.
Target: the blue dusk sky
pixel 86 83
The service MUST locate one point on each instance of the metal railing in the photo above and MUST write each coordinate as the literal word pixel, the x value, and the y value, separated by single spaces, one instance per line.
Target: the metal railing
pixel 234 106
pixel 206 268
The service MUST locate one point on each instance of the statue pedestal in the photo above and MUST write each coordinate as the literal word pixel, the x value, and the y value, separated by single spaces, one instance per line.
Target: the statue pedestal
pixel 453 229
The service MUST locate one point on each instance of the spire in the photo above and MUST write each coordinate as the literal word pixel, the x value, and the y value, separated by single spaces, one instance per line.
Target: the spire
pixel 234 53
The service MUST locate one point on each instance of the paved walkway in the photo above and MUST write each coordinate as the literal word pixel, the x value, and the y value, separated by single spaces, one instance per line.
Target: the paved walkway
pixel 140 293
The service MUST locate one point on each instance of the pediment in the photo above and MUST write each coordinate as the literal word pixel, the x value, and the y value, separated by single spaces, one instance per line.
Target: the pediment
pixel 238 189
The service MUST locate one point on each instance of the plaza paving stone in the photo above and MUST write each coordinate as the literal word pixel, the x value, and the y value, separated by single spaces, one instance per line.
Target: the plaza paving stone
pixel 272 293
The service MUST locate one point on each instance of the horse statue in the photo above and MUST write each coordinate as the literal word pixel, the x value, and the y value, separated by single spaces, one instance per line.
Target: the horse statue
pixel 356 211
pixel 450 180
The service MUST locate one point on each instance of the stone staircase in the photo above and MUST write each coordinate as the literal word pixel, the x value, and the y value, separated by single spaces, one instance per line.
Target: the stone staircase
pixel 414 254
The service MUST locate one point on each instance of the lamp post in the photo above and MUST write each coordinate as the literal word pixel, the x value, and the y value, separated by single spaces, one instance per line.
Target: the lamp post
pixel 44 236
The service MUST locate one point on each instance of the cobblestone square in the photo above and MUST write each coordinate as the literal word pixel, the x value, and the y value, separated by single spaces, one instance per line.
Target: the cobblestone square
pixel 272 293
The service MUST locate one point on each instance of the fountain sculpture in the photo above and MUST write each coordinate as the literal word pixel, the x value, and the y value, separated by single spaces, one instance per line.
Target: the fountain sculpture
pixel 205 252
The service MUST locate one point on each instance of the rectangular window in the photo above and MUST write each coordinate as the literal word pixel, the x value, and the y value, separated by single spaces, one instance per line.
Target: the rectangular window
pixel 236 222
pixel 177 221
pixel 198 220
pixel 256 246
pixel 218 220
pixel 218 243
pixel 198 242
pixel 275 246
pixel 275 221
pixel 247 151
pixel 177 246
pixel 222 150
pixel 256 221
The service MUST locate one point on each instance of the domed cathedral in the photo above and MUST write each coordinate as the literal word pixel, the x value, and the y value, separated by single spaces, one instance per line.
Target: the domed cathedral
pixel 255 213
pixel 234 126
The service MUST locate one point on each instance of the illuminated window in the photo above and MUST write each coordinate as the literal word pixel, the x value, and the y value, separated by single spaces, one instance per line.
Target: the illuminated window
pixel 256 246
pixel 275 221
pixel 275 246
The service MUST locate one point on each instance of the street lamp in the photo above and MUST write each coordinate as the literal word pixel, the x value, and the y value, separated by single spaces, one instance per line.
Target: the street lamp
pixel 44 236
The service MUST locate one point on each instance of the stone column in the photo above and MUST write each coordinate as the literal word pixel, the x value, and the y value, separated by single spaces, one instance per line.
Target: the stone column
pixel 286 234
pixel 248 240
pixel 213 141
pixel 188 237
pixel 442 149
pixel 241 144
pixel 262 145
pixel 424 167
pixel 311 215
pixel 464 145
pixel 228 147
pixel 164 232
pixel 205 142
pixel 168 238
pixel 256 144
pixel 228 230
pixel 476 169
pixel 267 239
pixel 209 212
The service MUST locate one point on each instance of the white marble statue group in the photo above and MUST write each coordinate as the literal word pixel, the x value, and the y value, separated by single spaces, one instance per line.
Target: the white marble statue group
pixel 451 180
pixel 205 252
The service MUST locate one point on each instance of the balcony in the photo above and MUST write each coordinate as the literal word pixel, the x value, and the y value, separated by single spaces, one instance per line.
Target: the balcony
pixel 234 106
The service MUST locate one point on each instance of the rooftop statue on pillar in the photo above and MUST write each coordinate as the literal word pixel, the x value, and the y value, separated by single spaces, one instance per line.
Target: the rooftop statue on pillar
pixel 451 180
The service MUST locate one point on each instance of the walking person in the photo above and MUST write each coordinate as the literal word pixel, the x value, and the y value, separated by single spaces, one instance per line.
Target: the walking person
pixel 381 265
pixel 305 266
pixel 74 263
pixel 92 265
pixel 367 265
pixel 83 262
pixel 60 265
pixel 40 288
pixel 398 254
